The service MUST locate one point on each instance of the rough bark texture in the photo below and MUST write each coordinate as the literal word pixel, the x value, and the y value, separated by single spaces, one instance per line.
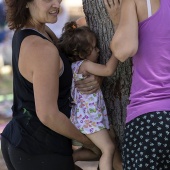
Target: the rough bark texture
pixel 117 87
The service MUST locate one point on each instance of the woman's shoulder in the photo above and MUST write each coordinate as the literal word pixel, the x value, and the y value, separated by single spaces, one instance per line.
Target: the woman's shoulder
pixel 37 49
pixel 39 44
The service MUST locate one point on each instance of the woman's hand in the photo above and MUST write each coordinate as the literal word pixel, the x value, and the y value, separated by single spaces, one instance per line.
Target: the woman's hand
pixel 89 85
pixel 113 9
pixel 87 143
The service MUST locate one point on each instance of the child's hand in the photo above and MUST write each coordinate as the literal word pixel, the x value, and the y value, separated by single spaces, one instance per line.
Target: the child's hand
pixel 89 85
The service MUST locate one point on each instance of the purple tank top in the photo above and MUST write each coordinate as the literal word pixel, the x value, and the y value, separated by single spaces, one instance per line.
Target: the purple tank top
pixel 150 90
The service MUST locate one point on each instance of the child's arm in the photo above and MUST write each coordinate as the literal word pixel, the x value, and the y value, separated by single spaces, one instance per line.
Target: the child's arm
pixel 99 69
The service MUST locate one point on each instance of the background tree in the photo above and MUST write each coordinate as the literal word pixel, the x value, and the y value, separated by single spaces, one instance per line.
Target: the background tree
pixel 117 87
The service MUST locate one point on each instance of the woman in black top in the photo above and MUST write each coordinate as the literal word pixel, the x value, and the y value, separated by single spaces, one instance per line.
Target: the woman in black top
pixel 38 136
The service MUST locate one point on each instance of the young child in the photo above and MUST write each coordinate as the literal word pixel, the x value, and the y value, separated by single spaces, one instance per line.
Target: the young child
pixel 88 112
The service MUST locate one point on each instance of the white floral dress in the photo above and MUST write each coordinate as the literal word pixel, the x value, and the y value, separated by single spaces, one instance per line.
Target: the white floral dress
pixel 88 111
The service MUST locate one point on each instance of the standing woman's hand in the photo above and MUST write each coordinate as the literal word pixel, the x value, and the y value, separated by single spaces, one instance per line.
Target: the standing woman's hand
pixel 113 9
pixel 89 85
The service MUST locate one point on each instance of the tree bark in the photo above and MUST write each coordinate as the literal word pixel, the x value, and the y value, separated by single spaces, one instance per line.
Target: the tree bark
pixel 116 88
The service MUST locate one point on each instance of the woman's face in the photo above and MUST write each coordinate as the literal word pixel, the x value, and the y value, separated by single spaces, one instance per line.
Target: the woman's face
pixel 44 11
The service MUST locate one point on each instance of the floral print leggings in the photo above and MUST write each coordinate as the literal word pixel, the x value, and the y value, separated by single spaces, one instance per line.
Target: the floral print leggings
pixel 147 142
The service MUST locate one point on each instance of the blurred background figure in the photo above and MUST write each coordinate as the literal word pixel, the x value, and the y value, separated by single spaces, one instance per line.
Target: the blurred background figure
pixel 2 21
pixel 5 38
pixel 5 82
pixel 81 21
pixel 2 30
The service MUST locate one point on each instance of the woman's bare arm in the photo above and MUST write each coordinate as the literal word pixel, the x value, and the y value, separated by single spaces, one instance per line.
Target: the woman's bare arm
pixel 45 67
pixel 100 69
pixel 113 10
pixel 124 43
pixel 92 83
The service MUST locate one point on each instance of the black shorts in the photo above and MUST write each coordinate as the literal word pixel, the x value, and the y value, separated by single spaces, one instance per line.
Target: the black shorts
pixel 147 142
pixel 17 159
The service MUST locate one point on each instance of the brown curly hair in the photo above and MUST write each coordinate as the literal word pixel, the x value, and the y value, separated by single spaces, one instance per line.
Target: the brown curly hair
pixel 76 42
pixel 17 13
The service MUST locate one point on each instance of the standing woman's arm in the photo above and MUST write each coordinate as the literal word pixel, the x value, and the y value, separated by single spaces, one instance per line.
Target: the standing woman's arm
pixel 124 43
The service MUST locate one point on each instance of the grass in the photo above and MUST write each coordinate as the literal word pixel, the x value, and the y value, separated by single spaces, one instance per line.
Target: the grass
pixel 5 84
pixel 5 94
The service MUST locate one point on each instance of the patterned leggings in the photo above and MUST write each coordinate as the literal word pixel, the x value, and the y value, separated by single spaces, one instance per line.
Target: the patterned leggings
pixel 147 142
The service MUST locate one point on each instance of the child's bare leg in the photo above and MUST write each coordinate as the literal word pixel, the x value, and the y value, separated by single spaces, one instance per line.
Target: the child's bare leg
pixel 83 154
pixel 117 159
pixel 103 141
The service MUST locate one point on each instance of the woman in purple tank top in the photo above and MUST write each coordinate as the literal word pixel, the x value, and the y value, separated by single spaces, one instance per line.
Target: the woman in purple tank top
pixel 143 32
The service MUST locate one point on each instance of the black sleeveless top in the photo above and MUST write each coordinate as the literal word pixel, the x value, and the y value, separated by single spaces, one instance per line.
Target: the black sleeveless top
pixel 25 131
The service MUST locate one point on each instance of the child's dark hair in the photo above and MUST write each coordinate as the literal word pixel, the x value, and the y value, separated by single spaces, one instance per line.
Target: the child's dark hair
pixel 76 42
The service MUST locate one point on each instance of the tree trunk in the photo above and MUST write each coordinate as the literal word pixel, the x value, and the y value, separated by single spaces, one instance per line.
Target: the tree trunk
pixel 117 87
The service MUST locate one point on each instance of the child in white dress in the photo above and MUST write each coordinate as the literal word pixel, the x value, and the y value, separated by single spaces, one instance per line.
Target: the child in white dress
pixel 88 112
